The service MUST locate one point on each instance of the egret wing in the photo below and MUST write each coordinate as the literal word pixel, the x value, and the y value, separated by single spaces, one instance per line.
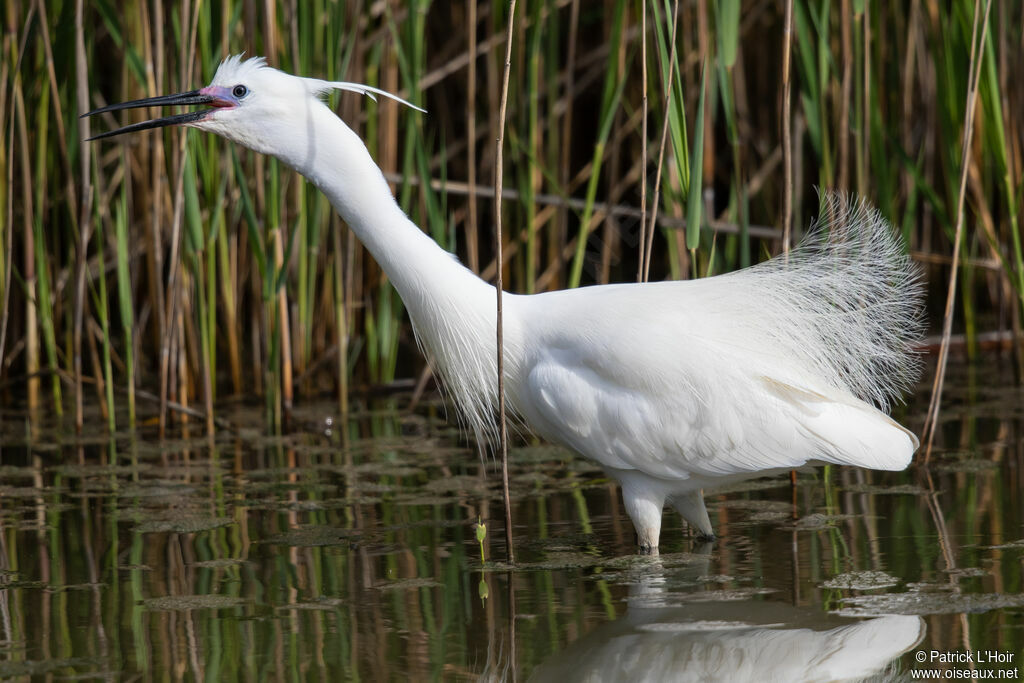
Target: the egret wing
pixel 677 401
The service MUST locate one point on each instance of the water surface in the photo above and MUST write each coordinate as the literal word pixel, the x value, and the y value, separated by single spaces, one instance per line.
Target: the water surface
pixel 350 551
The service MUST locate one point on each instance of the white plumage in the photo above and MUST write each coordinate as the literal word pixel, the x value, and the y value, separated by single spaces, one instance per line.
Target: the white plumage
pixel 670 386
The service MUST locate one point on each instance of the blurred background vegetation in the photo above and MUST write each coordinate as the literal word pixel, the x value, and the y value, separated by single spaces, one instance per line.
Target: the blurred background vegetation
pixel 164 273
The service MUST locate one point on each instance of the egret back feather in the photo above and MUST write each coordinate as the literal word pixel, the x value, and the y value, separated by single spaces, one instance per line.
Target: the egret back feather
pixel 846 303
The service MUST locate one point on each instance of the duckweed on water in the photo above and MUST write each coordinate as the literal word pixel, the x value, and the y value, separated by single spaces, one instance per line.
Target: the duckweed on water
pixel 313 536
pixel 34 668
pixel 818 521
pixel 922 603
pixel 20 492
pixel 967 465
pixel 680 599
pixel 409 584
pixel 218 564
pixel 902 489
pixel 193 602
pixel 862 581
pixel 183 524
pixel 156 489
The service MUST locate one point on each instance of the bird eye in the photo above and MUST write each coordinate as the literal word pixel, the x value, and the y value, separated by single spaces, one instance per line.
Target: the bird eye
pixel 240 91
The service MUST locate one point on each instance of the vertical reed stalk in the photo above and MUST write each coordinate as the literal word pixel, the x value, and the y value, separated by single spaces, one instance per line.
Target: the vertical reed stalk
pixel 42 260
pixel 532 176
pixel 846 41
pixel 284 331
pixel 84 220
pixel 643 139
pixel 173 293
pixel 727 25
pixel 7 209
pixel 472 229
pixel 498 173
pixel 32 284
pixel 613 86
pixel 562 234
pixel 866 119
pixel 126 308
pixel 694 199
pixel 977 57
pixel 341 322
pixel 787 130
pixel 646 250
pixel 103 313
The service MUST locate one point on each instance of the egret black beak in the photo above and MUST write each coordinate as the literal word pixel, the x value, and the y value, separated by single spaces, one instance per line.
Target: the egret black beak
pixel 185 98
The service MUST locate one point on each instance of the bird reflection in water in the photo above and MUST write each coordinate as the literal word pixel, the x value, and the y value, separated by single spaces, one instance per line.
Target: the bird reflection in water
pixel 676 636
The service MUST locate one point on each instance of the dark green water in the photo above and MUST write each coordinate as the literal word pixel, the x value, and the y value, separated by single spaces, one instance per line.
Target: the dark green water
pixel 353 555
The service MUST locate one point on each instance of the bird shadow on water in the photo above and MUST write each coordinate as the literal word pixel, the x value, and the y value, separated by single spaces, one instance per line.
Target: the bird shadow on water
pixel 355 554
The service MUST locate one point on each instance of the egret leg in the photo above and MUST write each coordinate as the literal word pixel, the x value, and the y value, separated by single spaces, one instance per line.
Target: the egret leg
pixel 644 505
pixel 691 507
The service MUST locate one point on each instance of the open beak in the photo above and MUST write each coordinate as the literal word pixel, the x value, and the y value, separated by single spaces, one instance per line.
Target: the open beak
pixel 185 98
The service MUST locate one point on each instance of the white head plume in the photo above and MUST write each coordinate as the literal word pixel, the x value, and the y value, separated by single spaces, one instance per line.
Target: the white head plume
pixel 236 69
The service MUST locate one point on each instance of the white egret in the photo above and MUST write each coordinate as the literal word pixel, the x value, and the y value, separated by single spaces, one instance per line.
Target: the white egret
pixel 670 386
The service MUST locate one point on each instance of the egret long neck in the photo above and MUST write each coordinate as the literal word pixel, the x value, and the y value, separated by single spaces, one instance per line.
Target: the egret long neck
pixel 339 164
pixel 452 309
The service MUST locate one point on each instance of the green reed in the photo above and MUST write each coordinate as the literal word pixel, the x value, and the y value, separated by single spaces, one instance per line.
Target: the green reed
pixel 125 300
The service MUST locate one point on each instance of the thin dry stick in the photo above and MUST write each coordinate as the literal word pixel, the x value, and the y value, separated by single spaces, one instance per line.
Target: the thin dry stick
pixel 502 426
pixel 643 140
pixel 173 279
pixel 31 342
pixel 865 121
pixel 85 224
pixel 787 131
pixel 787 156
pixel 645 254
pixel 472 238
pixel 947 319
pixel 5 308
pixel 846 39
pixel 155 72
pixel 601 209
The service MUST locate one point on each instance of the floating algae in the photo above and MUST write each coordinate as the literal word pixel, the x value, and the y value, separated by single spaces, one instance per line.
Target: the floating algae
pixel 183 525
pixel 191 602
pixel 409 584
pixel 818 521
pixel 874 489
pixel 314 536
pixel 219 564
pixel 918 603
pixel 862 581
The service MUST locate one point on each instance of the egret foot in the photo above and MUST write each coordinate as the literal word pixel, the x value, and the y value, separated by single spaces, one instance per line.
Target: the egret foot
pixel 647 550
pixel 691 507
pixel 644 504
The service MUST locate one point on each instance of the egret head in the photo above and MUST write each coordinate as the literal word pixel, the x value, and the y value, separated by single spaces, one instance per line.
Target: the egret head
pixel 247 102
